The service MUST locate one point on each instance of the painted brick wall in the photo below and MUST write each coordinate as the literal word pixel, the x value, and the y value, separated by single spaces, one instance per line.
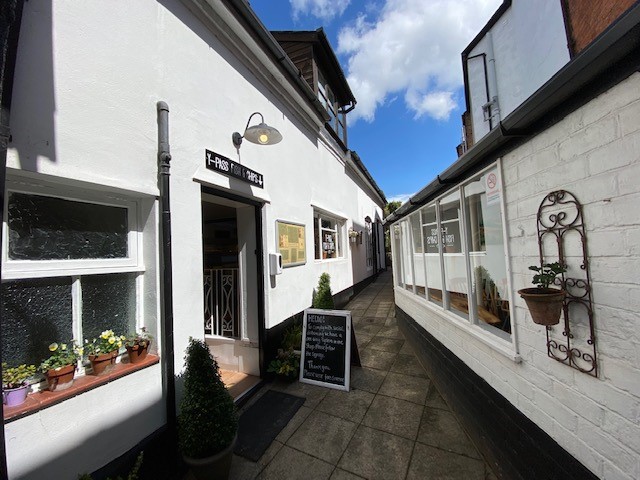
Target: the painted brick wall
pixel 594 153
pixel 587 20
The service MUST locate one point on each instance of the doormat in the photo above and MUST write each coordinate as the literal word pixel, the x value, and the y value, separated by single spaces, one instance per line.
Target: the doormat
pixel 261 423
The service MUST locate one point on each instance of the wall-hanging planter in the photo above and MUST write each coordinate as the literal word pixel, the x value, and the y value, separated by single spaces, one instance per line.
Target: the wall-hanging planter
pixel 544 304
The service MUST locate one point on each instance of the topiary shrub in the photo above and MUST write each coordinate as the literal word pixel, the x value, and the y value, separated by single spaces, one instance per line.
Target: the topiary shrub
pixel 208 421
pixel 322 297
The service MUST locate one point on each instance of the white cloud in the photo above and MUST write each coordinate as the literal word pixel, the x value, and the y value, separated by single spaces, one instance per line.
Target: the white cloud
pixel 401 197
pixel 322 9
pixel 411 47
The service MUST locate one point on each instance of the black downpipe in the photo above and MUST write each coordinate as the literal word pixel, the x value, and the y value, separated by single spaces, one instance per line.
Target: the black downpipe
pixel 166 288
pixel 10 20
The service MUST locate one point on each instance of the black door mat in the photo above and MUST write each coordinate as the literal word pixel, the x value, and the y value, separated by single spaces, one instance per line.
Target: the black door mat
pixel 260 424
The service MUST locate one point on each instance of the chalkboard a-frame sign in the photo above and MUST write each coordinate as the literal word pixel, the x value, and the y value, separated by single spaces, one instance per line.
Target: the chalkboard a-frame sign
pixel 326 348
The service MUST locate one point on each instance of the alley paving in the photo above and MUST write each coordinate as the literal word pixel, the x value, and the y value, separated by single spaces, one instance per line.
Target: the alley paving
pixel 392 424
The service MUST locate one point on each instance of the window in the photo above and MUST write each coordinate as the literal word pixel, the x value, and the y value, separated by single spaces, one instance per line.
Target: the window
pixel 327 236
pixel 452 253
pixel 368 240
pixel 71 269
pixel 337 119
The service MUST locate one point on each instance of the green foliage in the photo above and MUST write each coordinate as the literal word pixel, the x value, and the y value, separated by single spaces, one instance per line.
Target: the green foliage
pixel 15 377
pixel 391 207
pixel 62 354
pixel 292 337
pixel 133 474
pixel 208 421
pixel 322 297
pixel 546 274
pixel 107 342
pixel 142 339
pixel 286 364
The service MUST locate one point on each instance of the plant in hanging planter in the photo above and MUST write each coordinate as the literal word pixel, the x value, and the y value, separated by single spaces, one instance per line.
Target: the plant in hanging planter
pixel 353 235
pixel 14 383
pixel 208 423
pixel 102 351
pixel 60 367
pixel 137 345
pixel 545 303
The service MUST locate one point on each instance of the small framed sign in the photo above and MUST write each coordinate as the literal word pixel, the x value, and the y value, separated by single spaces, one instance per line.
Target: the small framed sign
pixel 291 243
pixel 326 348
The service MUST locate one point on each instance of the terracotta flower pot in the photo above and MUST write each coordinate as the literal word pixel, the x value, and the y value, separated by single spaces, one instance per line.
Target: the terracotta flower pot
pixel 103 363
pixel 12 397
pixel 137 353
pixel 545 304
pixel 60 378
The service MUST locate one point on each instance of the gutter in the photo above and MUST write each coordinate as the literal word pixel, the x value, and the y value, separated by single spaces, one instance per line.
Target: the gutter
pixel 619 40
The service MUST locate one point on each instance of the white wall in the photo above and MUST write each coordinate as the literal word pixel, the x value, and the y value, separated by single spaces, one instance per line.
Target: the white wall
pixel 529 47
pixel 88 77
pixel 593 153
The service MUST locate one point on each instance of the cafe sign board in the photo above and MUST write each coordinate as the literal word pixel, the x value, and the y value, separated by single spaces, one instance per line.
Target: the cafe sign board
pixel 221 164
pixel 326 348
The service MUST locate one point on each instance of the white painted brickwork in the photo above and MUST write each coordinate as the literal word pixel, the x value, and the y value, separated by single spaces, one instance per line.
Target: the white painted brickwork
pixel 595 154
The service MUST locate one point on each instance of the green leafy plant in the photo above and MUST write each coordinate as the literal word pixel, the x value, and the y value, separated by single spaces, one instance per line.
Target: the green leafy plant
pixel 107 342
pixel 287 363
pixel 208 421
pixel 322 297
pixel 62 354
pixel 143 339
pixel 547 274
pixel 15 377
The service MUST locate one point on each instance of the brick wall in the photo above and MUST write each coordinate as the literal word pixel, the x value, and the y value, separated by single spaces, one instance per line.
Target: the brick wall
pixel 586 20
pixel 594 153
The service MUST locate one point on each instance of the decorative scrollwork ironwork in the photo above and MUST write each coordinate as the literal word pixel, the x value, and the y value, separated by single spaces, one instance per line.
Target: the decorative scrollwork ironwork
pixel 559 215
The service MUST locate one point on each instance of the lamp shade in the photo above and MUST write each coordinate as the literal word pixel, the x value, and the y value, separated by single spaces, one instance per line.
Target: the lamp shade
pixel 262 134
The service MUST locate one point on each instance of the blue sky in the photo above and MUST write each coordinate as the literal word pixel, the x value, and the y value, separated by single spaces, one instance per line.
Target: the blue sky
pixel 402 61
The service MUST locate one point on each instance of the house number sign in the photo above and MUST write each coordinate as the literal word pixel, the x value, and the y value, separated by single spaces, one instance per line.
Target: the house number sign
pixel 226 166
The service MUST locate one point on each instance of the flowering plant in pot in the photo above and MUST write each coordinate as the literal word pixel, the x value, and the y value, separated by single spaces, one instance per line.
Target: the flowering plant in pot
pixel 60 367
pixel 287 361
pixel 545 303
pixel 137 345
pixel 14 383
pixel 208 423
pixel 102 351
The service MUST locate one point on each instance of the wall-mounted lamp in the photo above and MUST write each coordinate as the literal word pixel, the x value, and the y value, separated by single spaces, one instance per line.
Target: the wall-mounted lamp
pixel 262 134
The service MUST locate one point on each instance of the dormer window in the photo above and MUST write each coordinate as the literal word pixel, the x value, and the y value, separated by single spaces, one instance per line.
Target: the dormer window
pixel 338 121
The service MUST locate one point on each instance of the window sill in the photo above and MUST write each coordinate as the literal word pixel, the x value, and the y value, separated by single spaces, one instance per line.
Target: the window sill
pixel 330 260
pixel 39 400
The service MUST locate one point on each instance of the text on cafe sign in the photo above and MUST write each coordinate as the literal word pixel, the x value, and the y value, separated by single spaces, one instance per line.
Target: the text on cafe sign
pixel 226 166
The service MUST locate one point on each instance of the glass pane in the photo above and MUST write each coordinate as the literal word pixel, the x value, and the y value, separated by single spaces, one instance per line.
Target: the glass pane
pixel 108 302
pixel 418 258
pixel 396 236
pixel 49 228
pixel 407 256
pixel 35 313
pixel 432 255
pixel 487 255
pixel 328 244
pixel 316 238
pixel 326 223
pixel 455 268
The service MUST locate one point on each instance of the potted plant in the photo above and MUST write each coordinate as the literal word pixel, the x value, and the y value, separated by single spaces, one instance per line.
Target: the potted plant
pixel 60 367
pixel 14 383
pixel 208 423
pixel 287 361
pixel 322 297
pixel 102 351
pixel 137 345
pixel 353 235
pixel 544 303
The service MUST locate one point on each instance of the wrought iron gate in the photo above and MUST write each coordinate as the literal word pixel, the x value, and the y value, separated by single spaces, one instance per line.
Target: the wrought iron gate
pixel 222 302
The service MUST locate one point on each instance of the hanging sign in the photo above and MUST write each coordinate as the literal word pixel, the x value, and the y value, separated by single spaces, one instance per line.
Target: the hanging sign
pixel 226 166
pixel 326 348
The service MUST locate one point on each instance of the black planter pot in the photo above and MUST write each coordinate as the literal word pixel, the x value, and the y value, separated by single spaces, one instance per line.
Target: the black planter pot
pixel 216 467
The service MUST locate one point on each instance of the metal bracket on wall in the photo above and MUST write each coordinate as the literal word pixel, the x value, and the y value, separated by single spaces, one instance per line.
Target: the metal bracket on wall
pixel 560 218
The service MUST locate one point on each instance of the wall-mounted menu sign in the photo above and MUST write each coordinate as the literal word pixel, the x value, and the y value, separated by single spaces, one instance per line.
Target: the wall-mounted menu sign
pixel 326 348
pixel 226 166
pixel 291 243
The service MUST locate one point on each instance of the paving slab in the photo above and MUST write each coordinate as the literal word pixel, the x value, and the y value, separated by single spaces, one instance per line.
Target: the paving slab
pixel 374 455
pixel 408 365
pixel 300 416
pixel 339 474
pixel 395 416
pixel 390 332
pixel 385 344
pixel 429 462
pixel 439 428
pixel 435 400
pixel 377 359
pixel 405 387
pixel 293 464
pixel 350 405
pixel 367 379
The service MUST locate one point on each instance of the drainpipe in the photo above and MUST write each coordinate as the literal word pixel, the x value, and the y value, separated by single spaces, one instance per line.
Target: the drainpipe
pixel 166 287
pixel 10 20
pixel 493 81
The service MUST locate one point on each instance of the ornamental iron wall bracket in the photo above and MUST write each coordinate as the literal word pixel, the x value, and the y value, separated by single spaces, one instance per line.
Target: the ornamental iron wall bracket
pixel 560 218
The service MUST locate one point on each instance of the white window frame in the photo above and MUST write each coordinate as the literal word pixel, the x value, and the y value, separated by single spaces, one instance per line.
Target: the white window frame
pixel 318 215
pixel 19 269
